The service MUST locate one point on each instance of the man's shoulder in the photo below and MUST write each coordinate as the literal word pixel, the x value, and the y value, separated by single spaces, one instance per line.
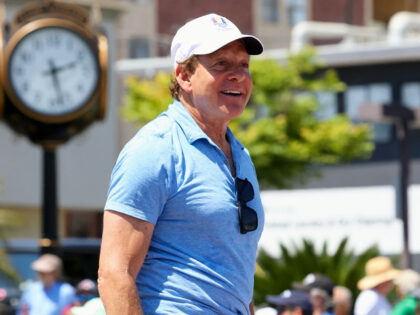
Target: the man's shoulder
pixel 34 286
pixel 154 133
pixel 366 300
pixel 368 294
pixel 159 127
pixel 65 287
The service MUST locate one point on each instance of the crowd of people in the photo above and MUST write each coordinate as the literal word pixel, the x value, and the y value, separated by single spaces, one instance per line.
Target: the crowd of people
pixel 317 294
pixel 49 295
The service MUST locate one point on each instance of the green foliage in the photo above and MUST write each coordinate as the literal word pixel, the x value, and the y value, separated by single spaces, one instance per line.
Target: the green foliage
pixel 343 266
pixel 279 126
pixel 288 139
pixel 146 99
pixel 8 219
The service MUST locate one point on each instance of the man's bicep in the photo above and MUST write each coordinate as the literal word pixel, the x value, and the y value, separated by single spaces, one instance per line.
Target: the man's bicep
pixel 125 242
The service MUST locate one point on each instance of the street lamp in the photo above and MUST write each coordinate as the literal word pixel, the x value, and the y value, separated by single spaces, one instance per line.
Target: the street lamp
pixel 401 116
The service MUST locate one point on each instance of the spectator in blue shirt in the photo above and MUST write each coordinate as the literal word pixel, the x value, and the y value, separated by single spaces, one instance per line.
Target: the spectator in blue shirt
pixel 48 295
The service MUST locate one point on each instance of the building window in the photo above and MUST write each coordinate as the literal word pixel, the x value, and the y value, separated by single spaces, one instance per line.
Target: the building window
pixel 327 105
pixel 354 96
pixel 139 48
pixel 296 11
pixel 410 94
pixel 269 11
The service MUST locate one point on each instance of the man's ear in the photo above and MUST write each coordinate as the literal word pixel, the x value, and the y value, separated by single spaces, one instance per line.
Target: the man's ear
pixel 183 77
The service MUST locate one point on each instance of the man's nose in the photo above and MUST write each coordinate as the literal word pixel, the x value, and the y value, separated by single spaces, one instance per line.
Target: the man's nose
pixel 238 74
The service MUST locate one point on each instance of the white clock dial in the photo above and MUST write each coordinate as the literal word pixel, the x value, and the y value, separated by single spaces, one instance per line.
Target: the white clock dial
pixel 53 71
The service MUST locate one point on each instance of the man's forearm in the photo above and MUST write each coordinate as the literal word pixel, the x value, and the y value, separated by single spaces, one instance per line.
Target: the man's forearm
pixel 120 296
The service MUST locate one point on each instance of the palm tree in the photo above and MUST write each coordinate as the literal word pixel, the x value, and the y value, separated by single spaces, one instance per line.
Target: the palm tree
pixel 275 275
pixel 8 218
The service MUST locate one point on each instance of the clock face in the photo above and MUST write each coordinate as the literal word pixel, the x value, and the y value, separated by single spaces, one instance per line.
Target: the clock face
pixel 53 71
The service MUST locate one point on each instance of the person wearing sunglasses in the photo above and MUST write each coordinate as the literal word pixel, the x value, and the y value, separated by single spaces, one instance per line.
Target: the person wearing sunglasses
pixel 184 215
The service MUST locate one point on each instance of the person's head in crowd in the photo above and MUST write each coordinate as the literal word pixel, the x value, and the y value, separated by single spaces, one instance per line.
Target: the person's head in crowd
pixel 48 268
pixel 379 275
pixel 320 288
pixel 85 291
pixel 291 302
pixel 407 282
pixel 343 300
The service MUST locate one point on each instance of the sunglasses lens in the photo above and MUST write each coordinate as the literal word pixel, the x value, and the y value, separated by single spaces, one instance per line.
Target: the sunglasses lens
pixel 245 190
pixel 248 219
pixel 281 309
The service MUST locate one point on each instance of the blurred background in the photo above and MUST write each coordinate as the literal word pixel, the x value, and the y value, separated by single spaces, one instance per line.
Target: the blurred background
pixel 372 45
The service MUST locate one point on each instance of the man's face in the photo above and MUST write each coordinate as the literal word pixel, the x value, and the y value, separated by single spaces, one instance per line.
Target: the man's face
pixel 221 84
pixel 47 278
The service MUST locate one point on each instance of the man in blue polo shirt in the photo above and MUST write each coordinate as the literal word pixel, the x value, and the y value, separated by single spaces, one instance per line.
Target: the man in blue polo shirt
pixel 183 215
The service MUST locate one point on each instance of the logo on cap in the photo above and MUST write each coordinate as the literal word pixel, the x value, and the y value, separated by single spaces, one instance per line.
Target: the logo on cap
pixel 219 21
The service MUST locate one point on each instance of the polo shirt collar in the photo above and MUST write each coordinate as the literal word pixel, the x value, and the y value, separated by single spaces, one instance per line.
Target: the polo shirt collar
pixel 184 119
pixel 191 130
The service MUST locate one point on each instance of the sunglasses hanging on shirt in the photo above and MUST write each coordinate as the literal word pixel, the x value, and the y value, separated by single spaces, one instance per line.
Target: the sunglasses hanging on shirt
pixel 248 219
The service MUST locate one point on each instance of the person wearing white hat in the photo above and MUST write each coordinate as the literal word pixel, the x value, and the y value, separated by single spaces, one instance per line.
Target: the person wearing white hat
pixel 48 296
pixel 183 215
pixel 407 283
pixel 375 285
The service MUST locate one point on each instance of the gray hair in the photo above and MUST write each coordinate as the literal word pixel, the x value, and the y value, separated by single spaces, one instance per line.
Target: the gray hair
pixel 408 281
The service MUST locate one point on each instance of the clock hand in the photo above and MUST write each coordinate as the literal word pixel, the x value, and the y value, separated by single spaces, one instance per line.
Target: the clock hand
pixel 67 66
pixel 56 82
pixel 54 70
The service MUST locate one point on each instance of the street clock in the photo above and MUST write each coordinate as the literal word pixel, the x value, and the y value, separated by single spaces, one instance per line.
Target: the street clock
pixel 53 72
pixel 53 65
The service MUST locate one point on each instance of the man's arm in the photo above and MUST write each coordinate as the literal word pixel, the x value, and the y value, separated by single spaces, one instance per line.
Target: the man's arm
pixel 251 308
pixel 125 242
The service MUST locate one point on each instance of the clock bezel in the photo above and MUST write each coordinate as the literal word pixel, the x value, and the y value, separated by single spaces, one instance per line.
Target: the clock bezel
pixel 36 25
pixel 2 104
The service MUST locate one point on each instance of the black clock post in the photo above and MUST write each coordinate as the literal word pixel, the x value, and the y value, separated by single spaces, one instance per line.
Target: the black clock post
pixel 49 241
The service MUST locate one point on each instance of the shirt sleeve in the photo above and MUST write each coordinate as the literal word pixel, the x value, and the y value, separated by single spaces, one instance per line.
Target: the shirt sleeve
pixel 141 180
pixel 24 303
pixel 67 294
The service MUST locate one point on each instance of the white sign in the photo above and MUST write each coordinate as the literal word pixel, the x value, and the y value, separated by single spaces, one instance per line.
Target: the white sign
pixel 366 215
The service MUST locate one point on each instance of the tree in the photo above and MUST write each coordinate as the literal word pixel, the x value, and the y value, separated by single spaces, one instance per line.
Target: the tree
pixel 279 127
pixel 343 266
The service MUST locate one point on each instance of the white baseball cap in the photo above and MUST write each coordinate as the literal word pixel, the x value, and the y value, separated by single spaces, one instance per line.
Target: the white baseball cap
pixel 207 34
